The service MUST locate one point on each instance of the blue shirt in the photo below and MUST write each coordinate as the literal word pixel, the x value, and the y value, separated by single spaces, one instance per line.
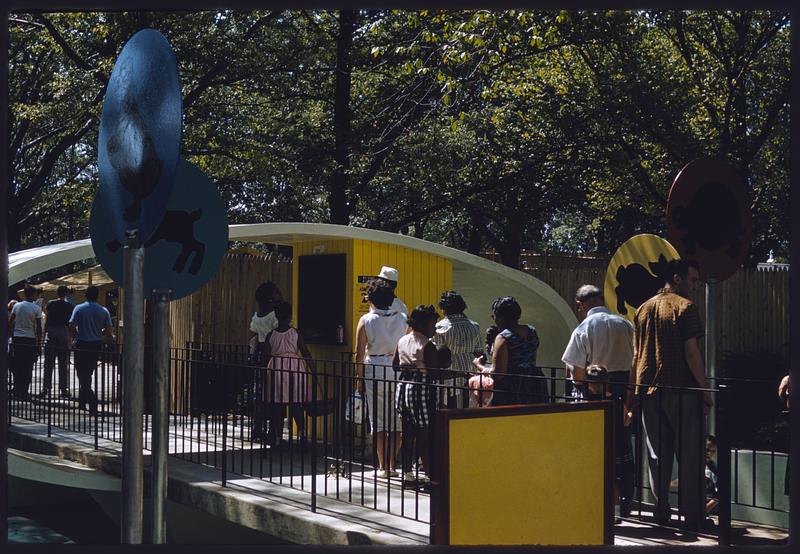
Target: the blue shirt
pixel 90 318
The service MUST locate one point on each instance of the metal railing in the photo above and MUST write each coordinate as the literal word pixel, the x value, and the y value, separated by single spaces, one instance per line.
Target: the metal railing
pixel 225 413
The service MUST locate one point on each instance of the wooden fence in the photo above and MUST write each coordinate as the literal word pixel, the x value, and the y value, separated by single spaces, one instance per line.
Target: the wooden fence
pixel 220 312
pixel 754 304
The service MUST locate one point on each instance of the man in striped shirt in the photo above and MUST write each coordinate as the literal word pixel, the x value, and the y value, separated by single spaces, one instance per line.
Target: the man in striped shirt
pixel 463 337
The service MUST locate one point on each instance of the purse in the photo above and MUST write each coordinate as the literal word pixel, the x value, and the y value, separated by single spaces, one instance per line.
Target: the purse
pixel 355 410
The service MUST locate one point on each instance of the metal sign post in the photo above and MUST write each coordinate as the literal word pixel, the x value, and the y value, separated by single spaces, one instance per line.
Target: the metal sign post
pixel 132 391
pixel 712 297
pixel 161 336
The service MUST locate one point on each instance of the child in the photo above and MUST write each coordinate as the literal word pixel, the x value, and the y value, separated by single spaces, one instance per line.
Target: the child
pixel 711 474
pixel 285 379
pixel 415 398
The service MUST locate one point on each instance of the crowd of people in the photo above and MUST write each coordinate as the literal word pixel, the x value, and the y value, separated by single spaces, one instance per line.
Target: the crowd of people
pixel 82 329
pixel 408 365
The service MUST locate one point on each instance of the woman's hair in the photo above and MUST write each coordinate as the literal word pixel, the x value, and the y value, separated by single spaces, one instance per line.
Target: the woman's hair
pixel 452 302
pixel 491 334
pixel 283 312
pixel 421 316
pixel 264 294
pixel 507 308
pixel 379 293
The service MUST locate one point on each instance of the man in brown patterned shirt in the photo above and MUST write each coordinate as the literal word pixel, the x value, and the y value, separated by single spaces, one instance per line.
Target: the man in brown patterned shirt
pixel 667 360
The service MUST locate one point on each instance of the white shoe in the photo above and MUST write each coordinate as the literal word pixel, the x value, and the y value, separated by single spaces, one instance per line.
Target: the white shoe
pixel 409 477
pixel 382 474
pixel 424 479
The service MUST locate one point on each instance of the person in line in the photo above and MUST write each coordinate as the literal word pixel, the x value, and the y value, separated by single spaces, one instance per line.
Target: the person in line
pixel 25 329
pixel 56 345
pixel 264 320
pixel 417 357
pixel 286 381
pixel 667 359
pixel 712 489
pixel 606 339
pixel 517 378
pixel 90 322
pixel 390 275
pixel 462 337
pixel 785 393
pixel 262 324
pixel 377 334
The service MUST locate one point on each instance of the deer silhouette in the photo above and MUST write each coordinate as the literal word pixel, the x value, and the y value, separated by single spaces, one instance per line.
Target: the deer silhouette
pixel 177 226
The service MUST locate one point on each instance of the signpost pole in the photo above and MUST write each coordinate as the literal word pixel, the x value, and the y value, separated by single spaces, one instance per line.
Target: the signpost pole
pixel 712 297
pixel 133 377
pixel 161 336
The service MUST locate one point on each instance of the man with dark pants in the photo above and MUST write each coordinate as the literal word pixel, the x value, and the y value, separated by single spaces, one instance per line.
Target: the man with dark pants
pixel 25 328
pixel 667 362
pixel 606 340
pixel 56 346
pixel 89 322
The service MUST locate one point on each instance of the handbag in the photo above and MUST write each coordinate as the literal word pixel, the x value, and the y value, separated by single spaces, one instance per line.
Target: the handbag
pixel 355 410
pixel 321 406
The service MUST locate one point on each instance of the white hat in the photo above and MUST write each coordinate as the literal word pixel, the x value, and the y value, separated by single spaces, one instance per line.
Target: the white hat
pixel 389 273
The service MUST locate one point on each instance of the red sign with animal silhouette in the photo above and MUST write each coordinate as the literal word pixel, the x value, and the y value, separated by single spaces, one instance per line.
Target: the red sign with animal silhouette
pixel 708 217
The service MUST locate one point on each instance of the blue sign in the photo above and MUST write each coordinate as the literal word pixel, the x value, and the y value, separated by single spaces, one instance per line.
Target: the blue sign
pixel 140 134
pixel 187 247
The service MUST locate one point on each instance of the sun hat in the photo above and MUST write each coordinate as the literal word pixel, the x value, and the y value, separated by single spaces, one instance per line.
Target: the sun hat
pixel 389 273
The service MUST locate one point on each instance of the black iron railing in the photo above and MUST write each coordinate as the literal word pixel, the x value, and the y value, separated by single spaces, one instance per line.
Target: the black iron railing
pixel 290 426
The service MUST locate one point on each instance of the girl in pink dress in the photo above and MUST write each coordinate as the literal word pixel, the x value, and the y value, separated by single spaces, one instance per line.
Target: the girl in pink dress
pixel 285 380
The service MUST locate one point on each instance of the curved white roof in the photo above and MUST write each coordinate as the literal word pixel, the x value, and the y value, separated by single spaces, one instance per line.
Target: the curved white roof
pixel 477 279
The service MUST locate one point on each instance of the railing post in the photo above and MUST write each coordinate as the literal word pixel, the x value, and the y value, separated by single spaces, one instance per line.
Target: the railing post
pixel 723 467
pixel 225 393
pixel 314 382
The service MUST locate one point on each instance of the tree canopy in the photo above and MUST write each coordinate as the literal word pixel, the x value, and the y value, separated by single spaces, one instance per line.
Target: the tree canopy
pixel 506 130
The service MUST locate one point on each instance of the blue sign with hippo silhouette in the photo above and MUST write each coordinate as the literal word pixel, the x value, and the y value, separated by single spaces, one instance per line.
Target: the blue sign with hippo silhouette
pixel 187 246
pixel 140 134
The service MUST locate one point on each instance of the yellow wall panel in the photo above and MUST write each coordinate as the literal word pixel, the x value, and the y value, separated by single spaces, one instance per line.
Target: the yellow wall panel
pixel 548 487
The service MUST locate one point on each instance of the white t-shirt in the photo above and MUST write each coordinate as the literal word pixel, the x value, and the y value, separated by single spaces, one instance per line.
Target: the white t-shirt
pixel 602 338
pixel 263 325
pixel 25 315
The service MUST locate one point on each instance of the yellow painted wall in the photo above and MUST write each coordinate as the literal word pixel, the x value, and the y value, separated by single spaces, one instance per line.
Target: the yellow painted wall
pixel 422 279
pixel 422 276
pixel 547 487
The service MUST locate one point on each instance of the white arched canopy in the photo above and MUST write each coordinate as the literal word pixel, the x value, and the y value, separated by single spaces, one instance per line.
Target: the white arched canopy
pixel 477 279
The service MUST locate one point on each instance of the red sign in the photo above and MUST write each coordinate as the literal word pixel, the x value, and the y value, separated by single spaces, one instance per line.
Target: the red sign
pixel 708 217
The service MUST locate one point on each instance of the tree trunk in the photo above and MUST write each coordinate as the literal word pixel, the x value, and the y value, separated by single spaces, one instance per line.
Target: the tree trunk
pixel 342 119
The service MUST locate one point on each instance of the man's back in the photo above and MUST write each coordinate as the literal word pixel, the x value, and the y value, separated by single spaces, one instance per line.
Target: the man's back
pixel 662 325
pixel 25 315
pixel 58 312
pixel 90 318
pixel 602 338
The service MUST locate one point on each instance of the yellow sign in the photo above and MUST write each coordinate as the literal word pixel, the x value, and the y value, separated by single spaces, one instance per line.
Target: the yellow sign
pixel 551 485
pixel 635 273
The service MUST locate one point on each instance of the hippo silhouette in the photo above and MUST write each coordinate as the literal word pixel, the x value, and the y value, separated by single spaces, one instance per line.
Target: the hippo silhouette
pixel 712 220
pixel 138 165
pixel 177 227
pixel 637 284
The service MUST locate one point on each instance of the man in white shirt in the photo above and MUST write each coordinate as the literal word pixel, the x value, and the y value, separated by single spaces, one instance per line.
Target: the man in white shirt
pixel 606 339
pixel 390 275
pixel 25 328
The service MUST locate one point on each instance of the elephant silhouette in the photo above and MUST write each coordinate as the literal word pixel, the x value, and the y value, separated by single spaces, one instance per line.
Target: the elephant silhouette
pixel 636 284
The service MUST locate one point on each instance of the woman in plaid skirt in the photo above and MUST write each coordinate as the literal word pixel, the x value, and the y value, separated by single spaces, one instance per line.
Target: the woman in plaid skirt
pixel 415 399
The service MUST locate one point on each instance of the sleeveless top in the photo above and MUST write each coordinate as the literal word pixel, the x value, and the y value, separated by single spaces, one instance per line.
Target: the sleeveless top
pixel 522 352
pixel 384 328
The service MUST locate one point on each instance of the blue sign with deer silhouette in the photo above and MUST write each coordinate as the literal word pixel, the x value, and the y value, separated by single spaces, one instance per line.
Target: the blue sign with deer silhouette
pixel 140 135
pixel 186 248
